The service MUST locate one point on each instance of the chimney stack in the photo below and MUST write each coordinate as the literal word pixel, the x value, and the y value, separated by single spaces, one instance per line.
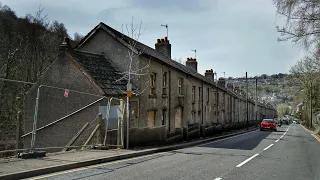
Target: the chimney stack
pixel 65 46
pixel 236 89
pixel 163 46
pixel 230 86
pixel 192 63
pixel 209 74
pixel 222 82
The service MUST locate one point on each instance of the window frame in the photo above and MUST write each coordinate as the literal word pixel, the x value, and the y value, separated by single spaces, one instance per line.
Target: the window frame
pixel 180 84
pixel 193 93
pixel 153 83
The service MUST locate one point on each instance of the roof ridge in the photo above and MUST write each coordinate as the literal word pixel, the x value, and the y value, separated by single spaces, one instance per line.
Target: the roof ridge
pixel 91 53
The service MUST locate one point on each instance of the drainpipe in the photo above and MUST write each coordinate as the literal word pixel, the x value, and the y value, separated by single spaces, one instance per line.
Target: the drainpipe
pixel 169 96
pixel 202 114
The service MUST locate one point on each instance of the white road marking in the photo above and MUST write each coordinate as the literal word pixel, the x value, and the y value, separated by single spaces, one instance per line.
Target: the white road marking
pixel 281 136
pixel 247 160
pixel 268 147
pixel 218 178
pixel 277 140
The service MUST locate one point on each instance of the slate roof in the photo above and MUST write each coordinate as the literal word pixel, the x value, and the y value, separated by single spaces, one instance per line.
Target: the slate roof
pixel 102 71
pixel 148 51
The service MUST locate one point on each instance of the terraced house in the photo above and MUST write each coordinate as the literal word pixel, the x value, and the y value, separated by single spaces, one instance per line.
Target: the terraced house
pixel 172 101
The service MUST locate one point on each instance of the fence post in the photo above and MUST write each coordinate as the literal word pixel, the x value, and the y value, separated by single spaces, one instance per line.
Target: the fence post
pixel 35 118
pixel 18 132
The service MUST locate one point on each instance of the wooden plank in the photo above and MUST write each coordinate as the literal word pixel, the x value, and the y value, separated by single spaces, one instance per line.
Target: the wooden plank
pixel 74 138
pixel 91 135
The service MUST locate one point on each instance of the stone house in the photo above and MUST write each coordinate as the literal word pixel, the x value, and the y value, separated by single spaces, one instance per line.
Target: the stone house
pixel 178 101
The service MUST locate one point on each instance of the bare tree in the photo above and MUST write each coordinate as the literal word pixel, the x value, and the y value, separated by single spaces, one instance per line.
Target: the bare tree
pixel 180 60
pixel 28 46
pixel 136 70
pixel 77 37
pixel 131 34
pixel 303 21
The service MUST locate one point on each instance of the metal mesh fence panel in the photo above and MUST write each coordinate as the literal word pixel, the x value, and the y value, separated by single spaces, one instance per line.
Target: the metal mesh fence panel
pixel 58 119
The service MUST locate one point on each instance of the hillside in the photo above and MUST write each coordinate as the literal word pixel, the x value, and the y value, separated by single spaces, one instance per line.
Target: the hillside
pixel 270 88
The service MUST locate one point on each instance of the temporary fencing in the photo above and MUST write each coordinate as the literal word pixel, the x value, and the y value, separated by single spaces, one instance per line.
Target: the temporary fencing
pixel 54 119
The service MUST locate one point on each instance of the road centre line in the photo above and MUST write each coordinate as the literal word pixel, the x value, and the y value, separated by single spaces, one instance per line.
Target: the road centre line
pixel 247 160
pixel 218 178
pixel 268 147
pixel 277 140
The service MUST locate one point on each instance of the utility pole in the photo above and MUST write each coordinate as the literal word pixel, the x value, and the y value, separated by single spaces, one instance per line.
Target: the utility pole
pixel 166 26
pixel 255 105
pixel 247 101
pixel 224 76
pixel 217 96
pixel 310 104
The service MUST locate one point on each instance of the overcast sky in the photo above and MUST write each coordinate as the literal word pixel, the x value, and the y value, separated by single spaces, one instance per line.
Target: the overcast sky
pixel 230 36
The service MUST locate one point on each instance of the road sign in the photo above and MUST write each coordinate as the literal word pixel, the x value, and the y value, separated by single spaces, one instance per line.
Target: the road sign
pixel 129 93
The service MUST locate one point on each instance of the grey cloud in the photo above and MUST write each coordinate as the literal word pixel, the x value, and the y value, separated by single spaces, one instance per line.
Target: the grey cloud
pixel 231 36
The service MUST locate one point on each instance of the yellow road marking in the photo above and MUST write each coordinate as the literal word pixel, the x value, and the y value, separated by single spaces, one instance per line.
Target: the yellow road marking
pixel 94 166
pixel 316 136
pixel 305 128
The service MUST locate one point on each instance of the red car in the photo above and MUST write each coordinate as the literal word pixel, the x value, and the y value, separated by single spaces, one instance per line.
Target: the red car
pixel 268 124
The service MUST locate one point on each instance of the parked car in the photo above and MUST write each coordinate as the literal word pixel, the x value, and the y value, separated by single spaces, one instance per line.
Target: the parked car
pixel 268 124
pixel 285 122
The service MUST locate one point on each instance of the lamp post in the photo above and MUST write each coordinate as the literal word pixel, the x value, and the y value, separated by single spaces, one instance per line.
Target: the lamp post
pixel 247 100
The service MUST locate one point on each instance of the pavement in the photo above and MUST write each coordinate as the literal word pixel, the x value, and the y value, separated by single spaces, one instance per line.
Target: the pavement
pixel 16 168
pixel 291 153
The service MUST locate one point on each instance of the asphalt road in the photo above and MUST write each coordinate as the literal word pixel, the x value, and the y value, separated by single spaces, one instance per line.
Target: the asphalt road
pixel 292 153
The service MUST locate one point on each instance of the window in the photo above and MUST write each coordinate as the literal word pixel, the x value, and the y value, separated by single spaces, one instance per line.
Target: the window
pixel 152 83
pixel 180 86
pixel 164 116
pixel 164 83
pixel 199 116
pixel 208 93
pixel 199 94
pixel 193 94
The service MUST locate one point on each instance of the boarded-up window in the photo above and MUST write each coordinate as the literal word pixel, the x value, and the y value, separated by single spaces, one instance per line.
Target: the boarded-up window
pixel 177 118
pixel 151 118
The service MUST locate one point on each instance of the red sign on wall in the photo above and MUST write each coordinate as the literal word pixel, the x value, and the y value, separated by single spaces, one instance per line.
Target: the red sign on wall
pixel 66 92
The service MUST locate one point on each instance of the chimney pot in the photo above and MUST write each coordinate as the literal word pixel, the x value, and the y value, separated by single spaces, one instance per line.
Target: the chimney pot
pixel 164 48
